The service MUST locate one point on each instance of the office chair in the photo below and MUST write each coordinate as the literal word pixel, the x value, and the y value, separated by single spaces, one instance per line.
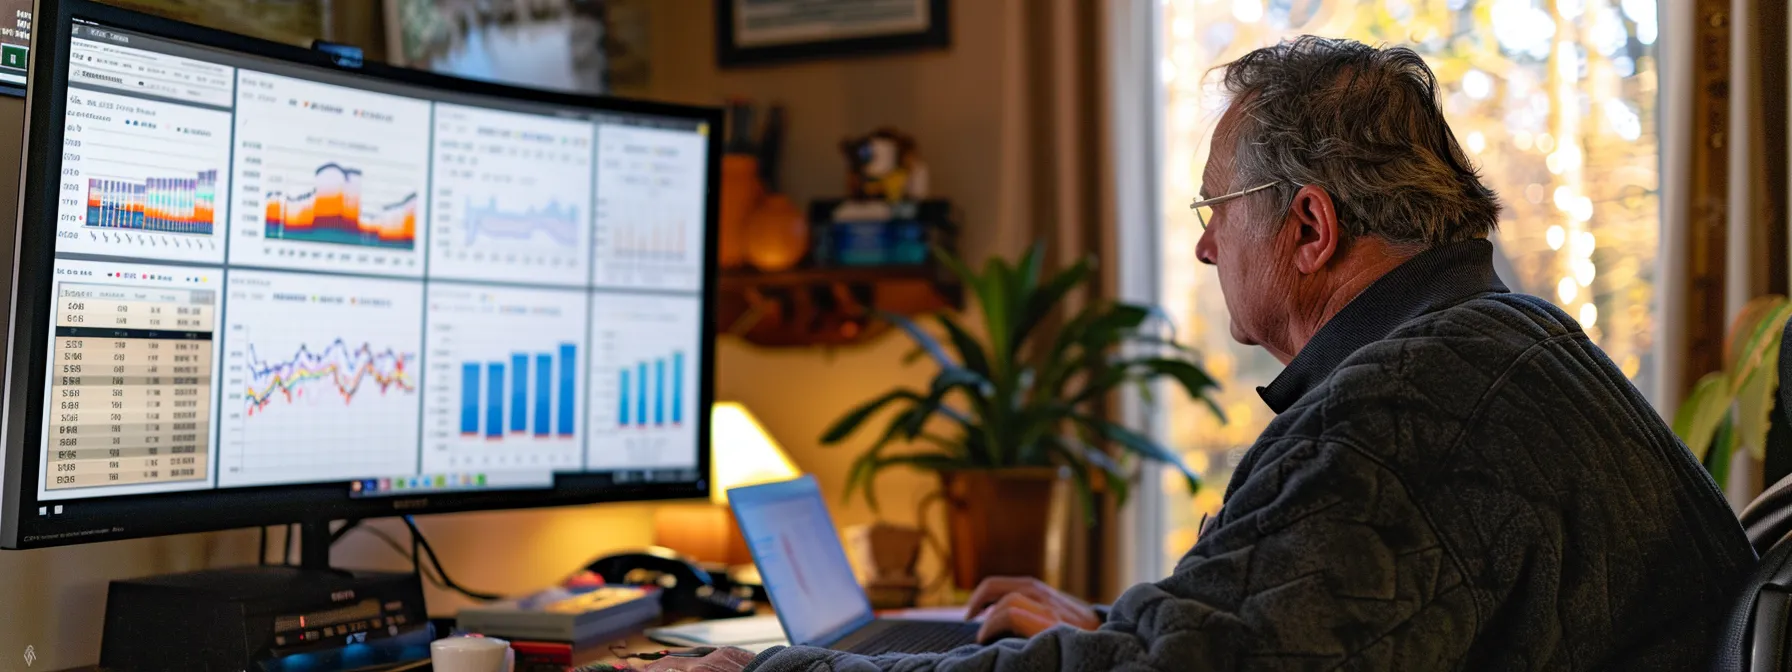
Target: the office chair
pixel 1757 636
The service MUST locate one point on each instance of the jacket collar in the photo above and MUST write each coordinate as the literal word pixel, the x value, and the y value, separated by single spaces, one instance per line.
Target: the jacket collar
pixel 1435 279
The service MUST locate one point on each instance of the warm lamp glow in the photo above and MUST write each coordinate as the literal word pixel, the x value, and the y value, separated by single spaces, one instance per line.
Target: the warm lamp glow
pixel 744 453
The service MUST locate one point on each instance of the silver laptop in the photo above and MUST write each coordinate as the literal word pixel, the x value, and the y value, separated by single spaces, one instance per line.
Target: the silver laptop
pixel 811 584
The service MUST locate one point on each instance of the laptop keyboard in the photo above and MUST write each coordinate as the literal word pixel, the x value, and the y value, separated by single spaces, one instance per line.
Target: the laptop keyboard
pixel 918 637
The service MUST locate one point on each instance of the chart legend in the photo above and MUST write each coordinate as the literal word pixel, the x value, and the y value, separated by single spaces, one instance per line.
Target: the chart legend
pixel 512 197
pixel 321 377
pixel 329 178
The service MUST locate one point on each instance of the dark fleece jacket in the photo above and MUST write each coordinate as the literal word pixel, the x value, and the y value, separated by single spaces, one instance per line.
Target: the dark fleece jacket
pixel 1457 479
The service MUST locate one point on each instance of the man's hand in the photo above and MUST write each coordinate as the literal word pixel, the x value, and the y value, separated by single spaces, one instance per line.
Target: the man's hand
pixel 1021 606
pixel 727 659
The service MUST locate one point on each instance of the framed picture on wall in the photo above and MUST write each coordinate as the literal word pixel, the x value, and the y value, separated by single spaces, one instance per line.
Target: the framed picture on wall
pixel 548 45
pixel 751 32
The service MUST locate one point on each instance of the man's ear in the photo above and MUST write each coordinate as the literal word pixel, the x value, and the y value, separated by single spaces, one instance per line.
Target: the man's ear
pixel 1320 237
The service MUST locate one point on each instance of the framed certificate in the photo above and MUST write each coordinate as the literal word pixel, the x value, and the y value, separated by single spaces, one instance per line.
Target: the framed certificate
pixel 764 31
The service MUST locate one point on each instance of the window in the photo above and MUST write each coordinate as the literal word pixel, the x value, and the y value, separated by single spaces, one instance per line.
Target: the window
pixel 1554 99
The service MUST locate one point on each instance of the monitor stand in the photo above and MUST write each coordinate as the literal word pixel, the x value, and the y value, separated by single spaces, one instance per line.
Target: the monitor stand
pixel 255 617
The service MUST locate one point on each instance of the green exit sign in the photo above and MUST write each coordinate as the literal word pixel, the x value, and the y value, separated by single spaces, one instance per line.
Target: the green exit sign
pixel 13 56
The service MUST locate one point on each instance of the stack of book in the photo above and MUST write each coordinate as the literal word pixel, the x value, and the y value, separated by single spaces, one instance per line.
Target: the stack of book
pixel 552 627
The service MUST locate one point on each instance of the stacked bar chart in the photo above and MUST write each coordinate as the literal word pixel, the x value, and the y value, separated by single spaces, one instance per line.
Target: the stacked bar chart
pixel 498 401
pixel 144 178
pixel 505 389
pixel 169 205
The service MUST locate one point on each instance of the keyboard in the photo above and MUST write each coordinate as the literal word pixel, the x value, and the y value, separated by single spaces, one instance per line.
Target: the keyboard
pixel 918 637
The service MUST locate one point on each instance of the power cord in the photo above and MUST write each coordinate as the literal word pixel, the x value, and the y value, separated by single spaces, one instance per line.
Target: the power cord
pixel 262 556
pixel 398 548
pixel 417 539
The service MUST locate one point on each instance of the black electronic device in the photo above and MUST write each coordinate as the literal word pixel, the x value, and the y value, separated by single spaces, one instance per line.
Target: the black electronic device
pixel 687 590
pixel 259 284
pixel 267 619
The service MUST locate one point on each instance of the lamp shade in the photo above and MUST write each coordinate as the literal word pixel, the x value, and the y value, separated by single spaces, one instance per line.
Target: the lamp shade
pixel 743 452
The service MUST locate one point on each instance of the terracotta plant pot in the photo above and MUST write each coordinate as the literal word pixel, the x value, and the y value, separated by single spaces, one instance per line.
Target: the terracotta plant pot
pixel 999 521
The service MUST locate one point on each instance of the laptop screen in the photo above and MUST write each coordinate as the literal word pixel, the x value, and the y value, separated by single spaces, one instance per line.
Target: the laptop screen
pixel 801 560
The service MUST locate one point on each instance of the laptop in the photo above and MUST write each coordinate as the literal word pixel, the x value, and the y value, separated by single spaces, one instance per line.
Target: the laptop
pixel 811 585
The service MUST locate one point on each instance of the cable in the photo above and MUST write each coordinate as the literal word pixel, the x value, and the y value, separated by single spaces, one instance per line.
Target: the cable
pixel 347 526
pixel 418 538
pixel 407 555
pixel 286 555
pixel 261 557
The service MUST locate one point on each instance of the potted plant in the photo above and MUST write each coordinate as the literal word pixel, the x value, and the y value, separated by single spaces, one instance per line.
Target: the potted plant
pixel 1014 411
pixel 1731 409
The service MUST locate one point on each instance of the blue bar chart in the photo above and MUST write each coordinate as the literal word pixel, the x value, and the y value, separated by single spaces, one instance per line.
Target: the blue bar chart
pixel 647 404
pixel 506 385
pixel 644 381
pixel 508 406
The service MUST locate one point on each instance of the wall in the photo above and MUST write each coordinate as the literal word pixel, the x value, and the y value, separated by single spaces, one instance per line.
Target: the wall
pixel 962 105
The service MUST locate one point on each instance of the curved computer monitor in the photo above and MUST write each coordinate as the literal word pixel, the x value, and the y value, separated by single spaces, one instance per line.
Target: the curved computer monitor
pixel 258 284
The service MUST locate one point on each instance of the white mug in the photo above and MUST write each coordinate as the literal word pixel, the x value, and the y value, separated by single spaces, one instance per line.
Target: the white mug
pixel 471 654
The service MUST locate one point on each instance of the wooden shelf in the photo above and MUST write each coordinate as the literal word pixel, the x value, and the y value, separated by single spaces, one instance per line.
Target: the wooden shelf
pixel 828 306
pixel 736 280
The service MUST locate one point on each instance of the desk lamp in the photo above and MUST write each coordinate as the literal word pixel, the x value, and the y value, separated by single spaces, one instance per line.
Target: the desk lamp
pixel 743 454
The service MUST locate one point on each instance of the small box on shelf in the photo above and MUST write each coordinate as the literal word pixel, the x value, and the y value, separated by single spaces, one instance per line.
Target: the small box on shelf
pixel 875 233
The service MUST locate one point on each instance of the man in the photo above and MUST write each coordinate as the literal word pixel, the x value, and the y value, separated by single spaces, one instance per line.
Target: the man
pixel 1457 478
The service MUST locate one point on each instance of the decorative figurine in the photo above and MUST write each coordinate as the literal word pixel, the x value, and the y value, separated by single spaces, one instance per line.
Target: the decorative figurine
pixel 884 165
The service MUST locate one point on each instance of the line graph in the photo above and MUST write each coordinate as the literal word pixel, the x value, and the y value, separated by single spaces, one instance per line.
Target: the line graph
pixel 512 197
pixel 321 378
pixel 339 368
pixel 555 222
pixel 143 178
pixel 329 178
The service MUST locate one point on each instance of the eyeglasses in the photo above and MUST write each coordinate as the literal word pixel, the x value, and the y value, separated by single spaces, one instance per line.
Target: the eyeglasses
pixel 1204 208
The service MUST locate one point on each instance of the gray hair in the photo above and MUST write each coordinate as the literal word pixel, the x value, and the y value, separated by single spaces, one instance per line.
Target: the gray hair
pixel 1364 124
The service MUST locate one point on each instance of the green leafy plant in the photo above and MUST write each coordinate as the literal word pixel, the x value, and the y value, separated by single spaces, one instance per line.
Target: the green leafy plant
pixel 1022 395
pixel 1728 410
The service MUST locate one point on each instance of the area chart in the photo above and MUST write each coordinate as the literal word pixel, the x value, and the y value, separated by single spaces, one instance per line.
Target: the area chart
pixel 329 178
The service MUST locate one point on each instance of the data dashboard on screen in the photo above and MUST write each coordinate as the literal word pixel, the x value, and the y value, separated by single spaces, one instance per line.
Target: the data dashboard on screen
pixel 272 274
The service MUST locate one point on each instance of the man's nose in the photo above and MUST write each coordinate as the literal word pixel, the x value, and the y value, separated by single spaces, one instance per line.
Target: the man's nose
pixel 1205 250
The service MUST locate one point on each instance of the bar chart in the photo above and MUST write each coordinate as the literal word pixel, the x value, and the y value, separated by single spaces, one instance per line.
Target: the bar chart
pixel 506 379
pixel 655 387
pixel 645 369
pixel 650 208
pixel 497 399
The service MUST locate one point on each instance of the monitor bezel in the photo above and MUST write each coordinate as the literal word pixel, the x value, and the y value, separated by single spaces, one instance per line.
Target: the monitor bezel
pixel 135 516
